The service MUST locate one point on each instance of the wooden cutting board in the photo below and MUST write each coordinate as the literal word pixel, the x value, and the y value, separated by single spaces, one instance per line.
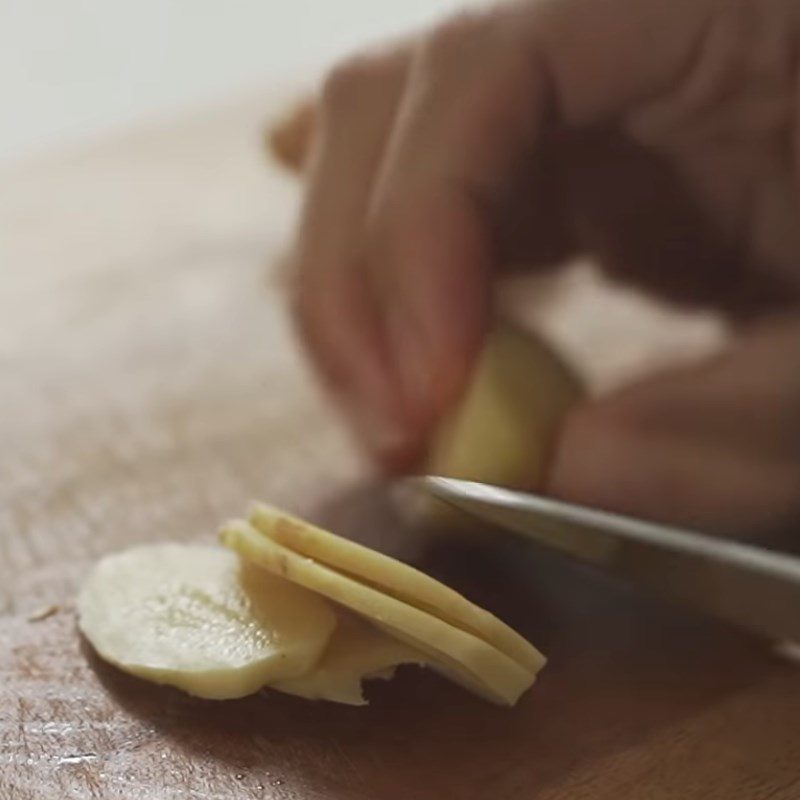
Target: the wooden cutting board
pixel 149 388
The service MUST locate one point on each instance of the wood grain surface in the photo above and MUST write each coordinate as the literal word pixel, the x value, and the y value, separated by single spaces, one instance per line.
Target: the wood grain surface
pixel 150 388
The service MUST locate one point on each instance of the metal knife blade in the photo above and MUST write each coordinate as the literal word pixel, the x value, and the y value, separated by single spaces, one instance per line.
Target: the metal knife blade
pixel 752 587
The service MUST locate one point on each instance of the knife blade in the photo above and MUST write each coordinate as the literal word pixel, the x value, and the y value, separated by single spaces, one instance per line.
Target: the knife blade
pixel 749 586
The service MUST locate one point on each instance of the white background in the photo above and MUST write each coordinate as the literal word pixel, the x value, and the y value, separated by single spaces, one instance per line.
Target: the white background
pixel 76 68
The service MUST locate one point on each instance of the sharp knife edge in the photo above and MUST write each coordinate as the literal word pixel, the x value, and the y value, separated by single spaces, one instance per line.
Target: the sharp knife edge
pixel 747 585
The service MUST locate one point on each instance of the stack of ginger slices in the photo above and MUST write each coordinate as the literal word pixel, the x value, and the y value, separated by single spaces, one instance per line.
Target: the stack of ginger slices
pixel 295 608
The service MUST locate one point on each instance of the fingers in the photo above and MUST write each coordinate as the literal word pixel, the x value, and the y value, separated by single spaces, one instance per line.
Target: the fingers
pixel 638 218
pixel 715 447
pixel 606 57
pixel 416 155
pixel 395 246
pixel 460 132
pixel 333 300
pixel 480 90
pixel 679 182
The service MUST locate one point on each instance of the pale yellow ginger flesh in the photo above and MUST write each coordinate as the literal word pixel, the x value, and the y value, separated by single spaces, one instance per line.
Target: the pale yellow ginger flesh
pixel 396 579
pixel 198 618
pixel 503 429
pixel 356 652
pixel 464 657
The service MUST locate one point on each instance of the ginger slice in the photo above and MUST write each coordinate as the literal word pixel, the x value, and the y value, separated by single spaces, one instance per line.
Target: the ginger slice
pixel 199 619
pixel 502 431
pixel 356 652
pixel 466 658
pixel 395 578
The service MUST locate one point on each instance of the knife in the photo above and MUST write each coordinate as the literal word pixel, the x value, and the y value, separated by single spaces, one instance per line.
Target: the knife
pixel 746 585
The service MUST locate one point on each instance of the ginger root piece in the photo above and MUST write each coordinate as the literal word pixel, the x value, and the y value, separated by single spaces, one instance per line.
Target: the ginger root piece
pixel 356 652
pixel 465 658
pixel 198 618
pixel 503 430
pixel 393 577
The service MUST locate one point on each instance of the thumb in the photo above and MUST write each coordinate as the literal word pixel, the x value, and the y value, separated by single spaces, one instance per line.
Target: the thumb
pixel 715 447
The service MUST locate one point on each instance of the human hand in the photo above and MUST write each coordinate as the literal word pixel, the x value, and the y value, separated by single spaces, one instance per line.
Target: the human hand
pixel 656 136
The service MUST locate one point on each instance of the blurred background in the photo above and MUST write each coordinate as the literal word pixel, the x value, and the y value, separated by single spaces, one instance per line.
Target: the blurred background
pixel 70 69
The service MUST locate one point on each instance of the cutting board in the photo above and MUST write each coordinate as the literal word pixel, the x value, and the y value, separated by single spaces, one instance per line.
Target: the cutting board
pixel 150 387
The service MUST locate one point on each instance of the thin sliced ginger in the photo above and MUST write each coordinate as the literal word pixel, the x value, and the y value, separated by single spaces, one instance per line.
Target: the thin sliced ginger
pixel 200 619
pixel 464 657
pixel 220 626
pixel 396 579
